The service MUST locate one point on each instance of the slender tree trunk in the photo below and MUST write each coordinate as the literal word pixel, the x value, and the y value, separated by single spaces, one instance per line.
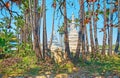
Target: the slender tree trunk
pixel 86 37
pixel 111 31
pixel 77 54
pixel 39 24
pixel 30 19
pixel 83 43
pixel 83 31
pixel 24 31
pixel 104 30
pixel 39 27
pixel 36 41
pixel 81 35
pixel 33 23
pixel 66 39
pixel 27 28
pixel 91 33
pixel 118 34
pixel 95 30
pixel 52 29
pixel 45 46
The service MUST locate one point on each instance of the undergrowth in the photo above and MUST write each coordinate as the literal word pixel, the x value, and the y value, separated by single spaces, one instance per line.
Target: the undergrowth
pixel 27 65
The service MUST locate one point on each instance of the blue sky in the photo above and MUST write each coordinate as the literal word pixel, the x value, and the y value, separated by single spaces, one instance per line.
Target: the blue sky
pixel 75 10
pixel 58 22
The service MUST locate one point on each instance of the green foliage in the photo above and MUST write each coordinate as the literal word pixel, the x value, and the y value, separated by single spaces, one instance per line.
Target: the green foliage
pixel 61 29
pixel 24 5
pixel 34 71
pixel 2 42
pixel 102 64
pixel 39 9
pixel 66 67
pixel 25 49
pixel 6 36
pixel 5 41
pixel 20 68
pixel 19 21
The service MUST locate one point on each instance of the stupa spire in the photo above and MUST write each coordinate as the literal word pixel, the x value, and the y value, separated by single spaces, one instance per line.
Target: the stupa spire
pixel 73 18
pixel 72 25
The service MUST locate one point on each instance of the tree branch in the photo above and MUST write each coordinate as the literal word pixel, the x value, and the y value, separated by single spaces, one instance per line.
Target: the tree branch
pixel 10 11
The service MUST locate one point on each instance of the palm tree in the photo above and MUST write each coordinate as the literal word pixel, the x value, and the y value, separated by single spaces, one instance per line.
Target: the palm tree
pixel 104 30
pixel 31 19
pixel 111 30
pixel 83 30
pixel 95 18
pixel 86 40
pixel 91 29
pixel 66 39
pixel 118 34
pixel 45 46
pixel 35 32
pixel 81 35
pixel 39 25
pixel 54 6
pixel 86 34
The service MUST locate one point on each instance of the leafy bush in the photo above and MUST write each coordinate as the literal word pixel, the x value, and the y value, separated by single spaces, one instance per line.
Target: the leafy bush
pixel 5 42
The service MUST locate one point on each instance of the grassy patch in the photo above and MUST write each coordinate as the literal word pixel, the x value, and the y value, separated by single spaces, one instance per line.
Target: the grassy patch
pixel 103 66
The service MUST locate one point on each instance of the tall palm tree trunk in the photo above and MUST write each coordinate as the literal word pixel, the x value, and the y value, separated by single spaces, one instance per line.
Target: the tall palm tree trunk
pixel 45 46
pixel 118 34
pixel 91 29
pixel 77 54
pixel 83 31
pixel 104 30
pixel 81 34
pixel 52 29
pixel 35 32
pixel 95 30
pixel 66 39
pixel 39 28
pixel 31 20
pixel 86 40
pixel 111 31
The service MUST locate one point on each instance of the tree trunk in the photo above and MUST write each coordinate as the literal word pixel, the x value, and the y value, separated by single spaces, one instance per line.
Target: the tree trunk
pixel 83 31
pixel 66 39
pixel 79 43
pixel 104 30
pixel 118 34
pixel 24 31
pixel 31 19
pixel 28 28
pixel 52 29
pixel 111 31
pixel 81 35
pixel 39 28
pixel 95 30
pixel 91 33
pixel 86 41
pixel 35 33
pixel 45 46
